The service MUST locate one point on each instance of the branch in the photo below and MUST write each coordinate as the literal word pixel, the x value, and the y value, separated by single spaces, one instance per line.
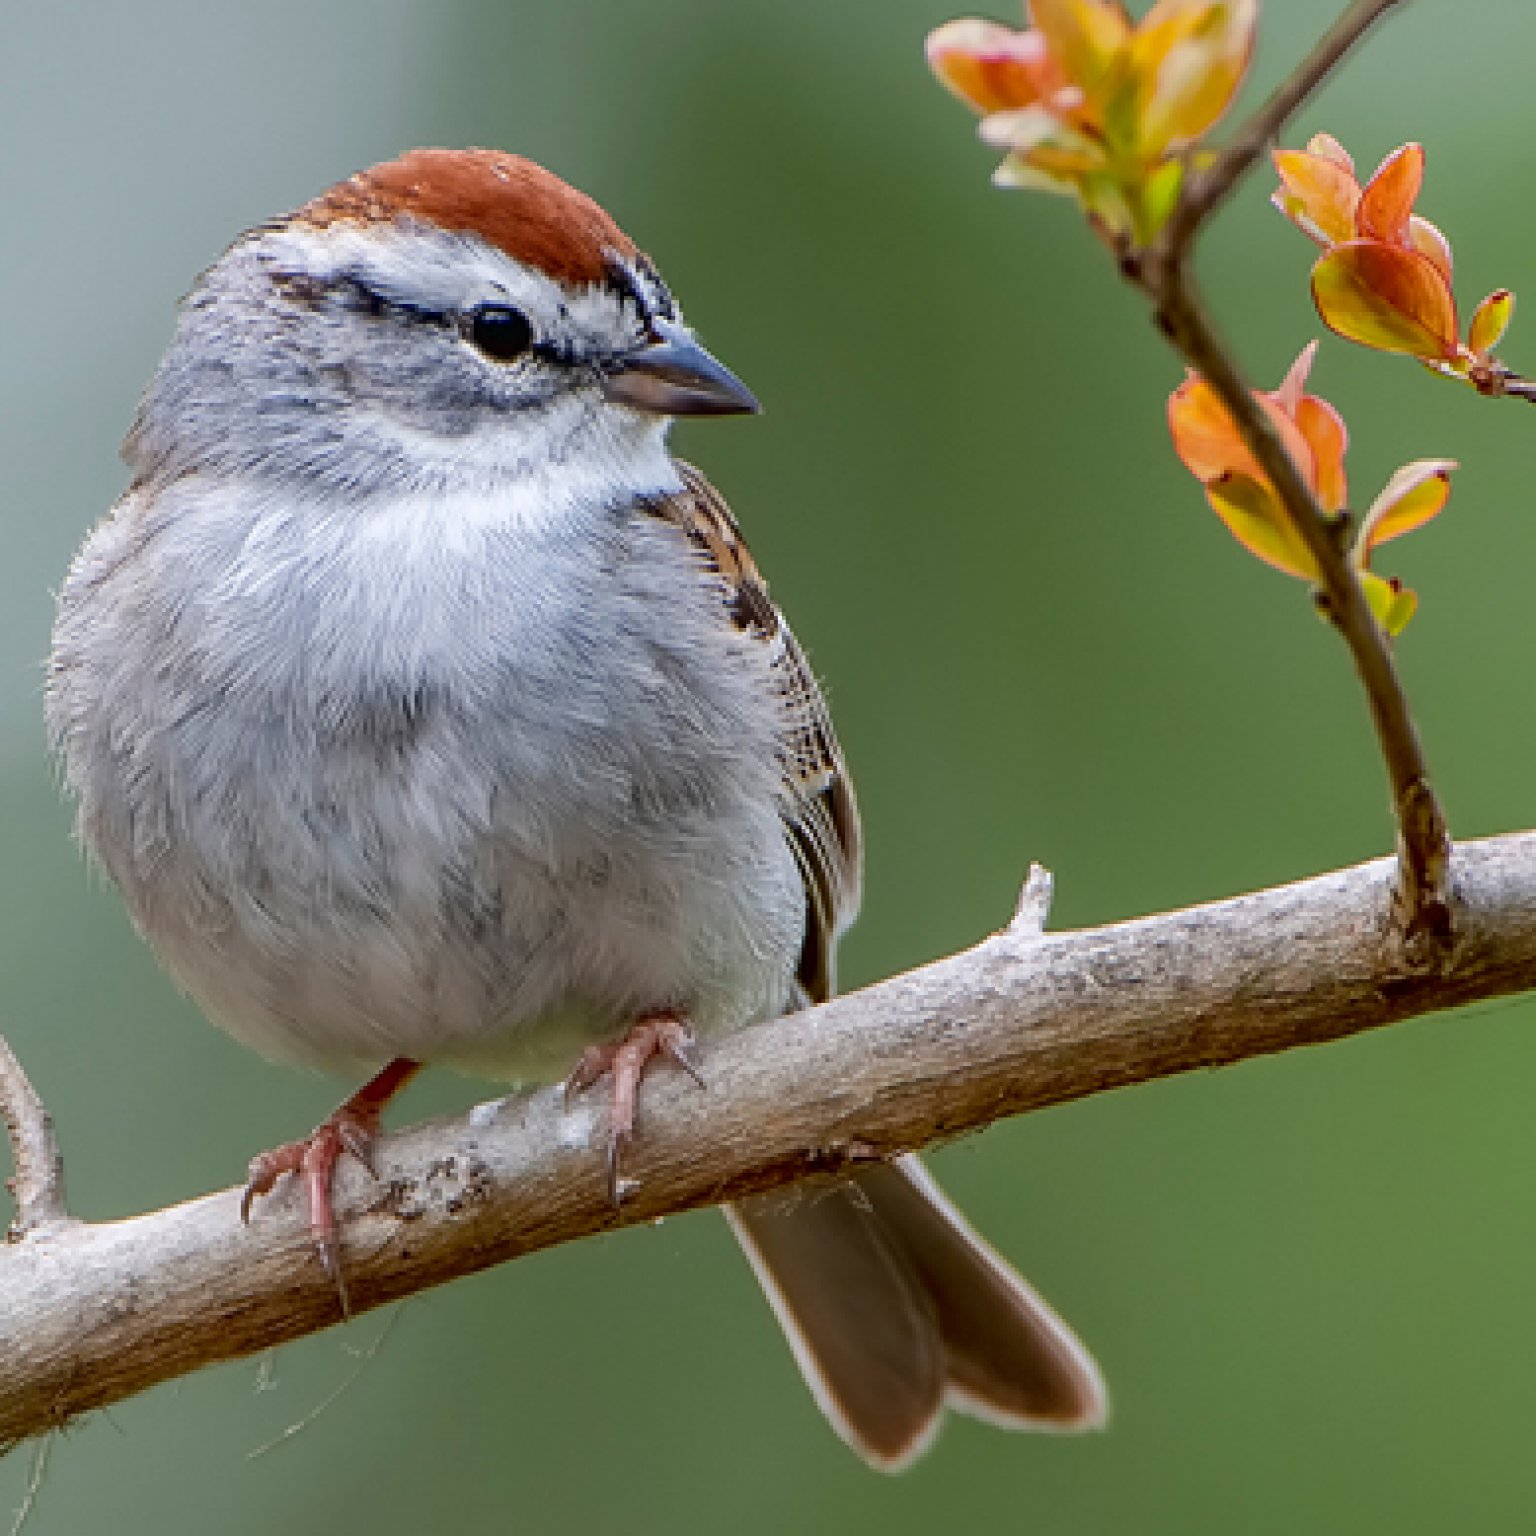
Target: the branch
pixel 1162 273
pixel 38 1183
pixel 1498 381
pixel 90 1314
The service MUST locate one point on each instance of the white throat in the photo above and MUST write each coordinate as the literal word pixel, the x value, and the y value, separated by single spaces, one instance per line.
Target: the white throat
pixel 500 484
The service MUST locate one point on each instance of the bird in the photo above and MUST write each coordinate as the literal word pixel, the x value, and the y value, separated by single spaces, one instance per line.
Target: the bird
pixel 425 709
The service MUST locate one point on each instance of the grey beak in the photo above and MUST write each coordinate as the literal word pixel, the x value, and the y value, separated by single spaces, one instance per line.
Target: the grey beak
pixel 675 376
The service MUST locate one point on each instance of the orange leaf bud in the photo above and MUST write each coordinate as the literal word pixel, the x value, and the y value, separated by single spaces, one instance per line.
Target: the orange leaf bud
pixel 1317 195
pixel 1083 36
pixel 990 67
pixel 1388 197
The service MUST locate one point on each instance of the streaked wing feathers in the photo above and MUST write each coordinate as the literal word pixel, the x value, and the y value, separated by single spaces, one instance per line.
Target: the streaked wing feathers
pixel 820 817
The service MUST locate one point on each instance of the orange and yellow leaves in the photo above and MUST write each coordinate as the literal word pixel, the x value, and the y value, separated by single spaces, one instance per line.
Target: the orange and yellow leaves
pixel 1386 297
pixel 1086 36
pixel 1187 62
pixel 1087 102
pixel 1412 497
pixel 1315 438
pixel 991 67
pixel 1384 276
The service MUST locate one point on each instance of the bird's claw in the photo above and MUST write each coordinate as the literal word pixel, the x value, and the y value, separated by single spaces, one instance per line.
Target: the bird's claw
pixel 626 1061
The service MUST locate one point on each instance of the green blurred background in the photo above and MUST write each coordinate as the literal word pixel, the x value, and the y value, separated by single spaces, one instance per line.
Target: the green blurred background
pixel 1308 1278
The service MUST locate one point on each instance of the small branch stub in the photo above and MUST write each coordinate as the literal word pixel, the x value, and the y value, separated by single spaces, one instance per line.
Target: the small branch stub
pixel 37 1185
pixel 1034 907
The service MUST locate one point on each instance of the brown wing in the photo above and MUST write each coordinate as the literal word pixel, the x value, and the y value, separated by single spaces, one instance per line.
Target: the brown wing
pixel 820 817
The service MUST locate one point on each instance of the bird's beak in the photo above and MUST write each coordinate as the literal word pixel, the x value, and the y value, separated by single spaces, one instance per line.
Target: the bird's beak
pixel 674 376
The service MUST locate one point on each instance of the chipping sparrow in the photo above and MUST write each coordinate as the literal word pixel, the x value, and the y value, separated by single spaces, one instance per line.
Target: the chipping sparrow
pixel 425 709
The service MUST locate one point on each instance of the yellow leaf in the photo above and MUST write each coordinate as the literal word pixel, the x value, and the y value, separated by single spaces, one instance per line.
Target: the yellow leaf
pixel 1391 602
pixel 1016 174
pixel 1187 59
pixel 1040 140
pixel 1083 36
pixel 1255 518
pixel 1490 320
pixel 1329 148
pixel 1317 195
pixel 1159 196
pixel 1413 496
pixel 1386 297
pixel 1405 603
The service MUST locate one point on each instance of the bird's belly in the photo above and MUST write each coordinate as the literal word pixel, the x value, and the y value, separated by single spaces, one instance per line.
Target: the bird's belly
pixel 460 821
pixel 496 922
pixel 429 908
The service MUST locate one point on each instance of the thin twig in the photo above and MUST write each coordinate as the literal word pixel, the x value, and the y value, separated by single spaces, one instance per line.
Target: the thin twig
pixel 362 1359
pixel 35 1476
pixel 37 1184
pixel 1498 381
pixel 1162 272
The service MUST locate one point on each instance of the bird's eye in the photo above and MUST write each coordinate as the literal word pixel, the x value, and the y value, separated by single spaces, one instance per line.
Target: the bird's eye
pixel 499 331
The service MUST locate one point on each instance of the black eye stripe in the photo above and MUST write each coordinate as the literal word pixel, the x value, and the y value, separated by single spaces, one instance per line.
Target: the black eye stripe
pixel 499 331
pixel 348 291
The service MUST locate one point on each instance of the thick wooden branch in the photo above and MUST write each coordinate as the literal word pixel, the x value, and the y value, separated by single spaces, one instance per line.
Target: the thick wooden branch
pixel 90 1314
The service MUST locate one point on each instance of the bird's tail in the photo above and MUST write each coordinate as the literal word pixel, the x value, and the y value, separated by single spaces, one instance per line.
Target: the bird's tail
pixel 894 1306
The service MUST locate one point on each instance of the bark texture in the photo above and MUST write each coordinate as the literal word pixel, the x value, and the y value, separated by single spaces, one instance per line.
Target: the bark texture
pixel 90 1314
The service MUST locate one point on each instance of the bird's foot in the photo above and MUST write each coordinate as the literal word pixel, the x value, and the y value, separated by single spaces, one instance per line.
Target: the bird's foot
pixel 351 1128
pixel 626 1062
